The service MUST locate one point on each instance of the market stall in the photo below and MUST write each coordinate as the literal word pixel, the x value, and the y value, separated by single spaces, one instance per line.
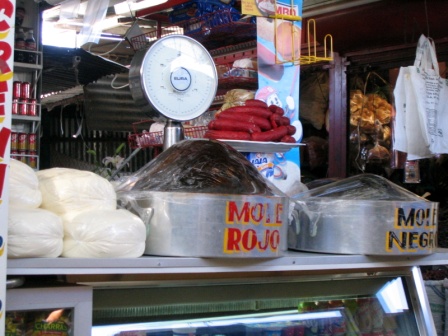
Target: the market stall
pixel 207 229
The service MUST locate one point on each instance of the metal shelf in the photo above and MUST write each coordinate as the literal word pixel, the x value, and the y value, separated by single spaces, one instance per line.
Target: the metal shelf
pixel 292 262
pixel 28 66
pixel 25 118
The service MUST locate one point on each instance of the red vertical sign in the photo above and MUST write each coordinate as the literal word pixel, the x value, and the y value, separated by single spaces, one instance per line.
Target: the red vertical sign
pixel 7 12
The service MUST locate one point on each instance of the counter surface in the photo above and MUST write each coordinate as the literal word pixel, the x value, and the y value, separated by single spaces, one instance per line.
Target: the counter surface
pixel 291 262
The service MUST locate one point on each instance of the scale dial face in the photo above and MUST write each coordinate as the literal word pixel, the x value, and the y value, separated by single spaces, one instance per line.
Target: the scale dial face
pixel 178 77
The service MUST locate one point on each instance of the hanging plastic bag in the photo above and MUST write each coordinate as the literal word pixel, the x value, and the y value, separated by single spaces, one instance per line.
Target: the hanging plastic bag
pixel 436 117
pixel 420 102
pixel 95 13
pixel 69 9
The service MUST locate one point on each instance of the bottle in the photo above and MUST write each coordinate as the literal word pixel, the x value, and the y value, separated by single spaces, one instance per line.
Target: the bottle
pixel 30 45
pixel 20 13
pixel 19 55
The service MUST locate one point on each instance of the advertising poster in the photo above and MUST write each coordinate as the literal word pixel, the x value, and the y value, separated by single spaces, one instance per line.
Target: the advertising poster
pixel 279 29
pixel 7 14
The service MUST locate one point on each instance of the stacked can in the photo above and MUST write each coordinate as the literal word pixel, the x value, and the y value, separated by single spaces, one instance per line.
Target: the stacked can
pixel 32 150
pixel 24 148
pixel 14 144
pixel 16 93
pixel 32 110
pixel 25 94
pixel 22 102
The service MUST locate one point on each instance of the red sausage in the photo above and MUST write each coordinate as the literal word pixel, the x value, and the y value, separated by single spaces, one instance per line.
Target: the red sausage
pixel 255 102
pixel 272 135
pixel 273 120
pixel 284 121
pixel 261 122
pixel 230 135
pixel 291 129
pixel 231 125
pixel 276 109
pixel 253 110
pixel 278 120
pixel 287 138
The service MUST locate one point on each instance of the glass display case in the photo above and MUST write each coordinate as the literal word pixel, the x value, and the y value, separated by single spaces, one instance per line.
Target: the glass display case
pixel 364 304
pixel 55 310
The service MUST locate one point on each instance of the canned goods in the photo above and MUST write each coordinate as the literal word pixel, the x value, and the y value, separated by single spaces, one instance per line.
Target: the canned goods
pixel 32 159
pixel 23 107
pixel 25 92
pixel 32 107
pixel 14 154
pixel 15 106
pixel 23 141
pixel 22 156
pixel 14 141
pixel 32 142
pixel 16 90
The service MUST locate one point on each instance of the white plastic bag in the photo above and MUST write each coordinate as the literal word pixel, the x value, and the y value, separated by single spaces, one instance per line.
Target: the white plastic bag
pixel 91 29
pixel 421 97
pixel 68 192
pixel 24 189
pixel 104 234
pixel 34 233
pixel 69 9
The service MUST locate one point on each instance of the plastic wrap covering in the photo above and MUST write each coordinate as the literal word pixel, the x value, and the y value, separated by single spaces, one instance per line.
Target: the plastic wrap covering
pixel 104 234
pixel 363 187
pixel 202 198
pixel 24 189
pixel 363 214
pixel 34 233
pixel 198 166
pixel 68 192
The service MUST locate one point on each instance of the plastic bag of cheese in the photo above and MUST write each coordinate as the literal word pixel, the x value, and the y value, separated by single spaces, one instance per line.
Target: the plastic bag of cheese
pixel 68 192
pixel 104 234
pixel 34 233
pixel 24 189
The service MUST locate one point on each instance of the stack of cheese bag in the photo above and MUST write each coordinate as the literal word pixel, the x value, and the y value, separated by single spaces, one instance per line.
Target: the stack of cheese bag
pixel 32 231
pixel 84 205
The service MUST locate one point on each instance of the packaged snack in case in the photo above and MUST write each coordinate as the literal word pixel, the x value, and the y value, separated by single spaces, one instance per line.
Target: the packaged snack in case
pixel 14 324
pixel 55 323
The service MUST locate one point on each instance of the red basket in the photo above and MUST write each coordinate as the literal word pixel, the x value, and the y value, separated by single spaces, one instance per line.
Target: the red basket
pixel 147 139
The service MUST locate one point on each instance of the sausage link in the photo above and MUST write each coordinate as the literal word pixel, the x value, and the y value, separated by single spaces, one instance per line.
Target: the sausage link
pixel 276 109
pixel 229 135
pixel 255 102
pixel 291 129
pixel 273 135
pixel 253 110
pixel 287 138
pixel 232 125
pixel 261 122
pixel 284 121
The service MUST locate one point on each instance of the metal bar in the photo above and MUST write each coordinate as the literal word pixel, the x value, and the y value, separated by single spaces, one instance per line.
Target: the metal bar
pixel 124 163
